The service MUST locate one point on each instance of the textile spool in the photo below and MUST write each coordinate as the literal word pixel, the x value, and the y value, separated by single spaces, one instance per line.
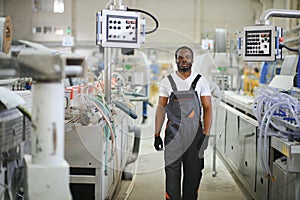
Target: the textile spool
pixel 5 34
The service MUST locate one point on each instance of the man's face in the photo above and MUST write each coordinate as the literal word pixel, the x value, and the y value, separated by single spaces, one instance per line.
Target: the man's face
pixel 184 60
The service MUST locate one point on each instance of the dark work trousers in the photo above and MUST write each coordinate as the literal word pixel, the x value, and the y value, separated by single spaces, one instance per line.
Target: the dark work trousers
pixel 175 157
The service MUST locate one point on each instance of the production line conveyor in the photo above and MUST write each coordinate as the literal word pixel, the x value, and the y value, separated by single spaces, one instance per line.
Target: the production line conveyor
pixel 238 146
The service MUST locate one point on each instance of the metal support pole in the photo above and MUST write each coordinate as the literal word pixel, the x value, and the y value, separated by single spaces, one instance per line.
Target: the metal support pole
pixel 47 172
pixel 48 132
pixel 107 75
pixel 297 186
pixel 214 173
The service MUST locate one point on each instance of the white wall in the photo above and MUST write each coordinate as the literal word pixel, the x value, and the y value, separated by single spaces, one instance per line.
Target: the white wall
pixel 1 8
pixel 180 21
pixel 187 20
pixel 84 18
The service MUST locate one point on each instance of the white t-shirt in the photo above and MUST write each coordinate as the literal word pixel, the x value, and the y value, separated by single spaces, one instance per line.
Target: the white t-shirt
pixel 202 86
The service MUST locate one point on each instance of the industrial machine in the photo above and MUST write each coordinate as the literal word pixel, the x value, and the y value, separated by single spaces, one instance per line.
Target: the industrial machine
pixel 45 159
pixel 77 143
pixel 261 139
pixel 15 130
pixel 101 140
pixel 103 116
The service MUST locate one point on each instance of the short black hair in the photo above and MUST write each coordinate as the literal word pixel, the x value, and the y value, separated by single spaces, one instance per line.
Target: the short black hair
pixel 184 47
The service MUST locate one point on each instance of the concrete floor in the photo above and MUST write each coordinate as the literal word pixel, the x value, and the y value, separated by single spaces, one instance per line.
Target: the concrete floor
pixel 148 179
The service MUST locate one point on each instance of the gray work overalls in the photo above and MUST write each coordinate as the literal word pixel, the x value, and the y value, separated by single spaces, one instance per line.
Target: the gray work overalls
pixel 183 143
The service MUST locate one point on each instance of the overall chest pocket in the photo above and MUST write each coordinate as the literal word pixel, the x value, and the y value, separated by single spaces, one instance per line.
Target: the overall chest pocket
pixel 184 105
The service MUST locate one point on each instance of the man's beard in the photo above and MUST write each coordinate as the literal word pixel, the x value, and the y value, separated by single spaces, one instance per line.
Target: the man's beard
pixel 188 68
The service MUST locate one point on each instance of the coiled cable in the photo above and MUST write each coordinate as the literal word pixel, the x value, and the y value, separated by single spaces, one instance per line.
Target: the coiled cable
pixel 269 104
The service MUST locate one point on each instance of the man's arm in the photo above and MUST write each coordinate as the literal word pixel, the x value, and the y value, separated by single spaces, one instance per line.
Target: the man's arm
pixel 207 113
pixel 160 114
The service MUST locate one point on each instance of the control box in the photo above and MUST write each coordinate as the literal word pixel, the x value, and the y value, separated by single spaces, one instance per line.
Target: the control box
pixel 261 43
pixel 123 29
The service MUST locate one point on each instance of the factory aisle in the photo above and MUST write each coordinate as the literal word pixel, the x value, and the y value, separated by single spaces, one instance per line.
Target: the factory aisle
pixel 148 182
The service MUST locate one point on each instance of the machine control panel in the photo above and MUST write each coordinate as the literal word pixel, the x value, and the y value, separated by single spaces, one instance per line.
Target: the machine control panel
pixel 122 29
pixel 119 29
pixel 261 43
pixel 258 43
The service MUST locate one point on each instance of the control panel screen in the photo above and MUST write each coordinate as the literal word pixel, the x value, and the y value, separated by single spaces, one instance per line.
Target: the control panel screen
pixel 122 29
pixel 258 43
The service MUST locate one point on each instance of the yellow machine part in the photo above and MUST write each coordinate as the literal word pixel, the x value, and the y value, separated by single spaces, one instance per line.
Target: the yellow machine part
pixel 251 81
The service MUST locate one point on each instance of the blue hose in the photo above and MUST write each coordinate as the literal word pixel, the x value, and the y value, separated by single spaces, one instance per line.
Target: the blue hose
pixel 125 109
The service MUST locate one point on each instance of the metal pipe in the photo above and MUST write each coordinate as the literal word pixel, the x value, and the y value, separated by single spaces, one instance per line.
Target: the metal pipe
pixel 117 2
pixel 118 5
pixel 136 144
pixel 279 13
pixel 107 75
pixel 48 134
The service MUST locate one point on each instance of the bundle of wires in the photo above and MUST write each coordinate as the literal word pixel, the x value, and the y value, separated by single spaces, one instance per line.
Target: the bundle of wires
pixel 100 107
pixel 268 105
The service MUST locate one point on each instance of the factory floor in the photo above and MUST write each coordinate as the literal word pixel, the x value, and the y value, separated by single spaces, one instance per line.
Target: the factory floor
pixel 148 175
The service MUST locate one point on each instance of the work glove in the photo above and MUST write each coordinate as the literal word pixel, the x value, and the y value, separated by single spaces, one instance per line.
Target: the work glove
pixel 158 143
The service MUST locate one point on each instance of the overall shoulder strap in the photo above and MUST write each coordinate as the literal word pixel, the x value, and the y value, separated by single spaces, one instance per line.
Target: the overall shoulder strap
pixel 172 82
pixel 194 83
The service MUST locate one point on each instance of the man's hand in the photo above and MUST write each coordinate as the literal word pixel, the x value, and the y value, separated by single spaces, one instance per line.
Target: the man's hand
pixel 158 143
pixel 206 132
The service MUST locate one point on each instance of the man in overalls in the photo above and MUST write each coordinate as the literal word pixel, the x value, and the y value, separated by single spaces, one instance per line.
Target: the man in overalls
pixel 183 95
